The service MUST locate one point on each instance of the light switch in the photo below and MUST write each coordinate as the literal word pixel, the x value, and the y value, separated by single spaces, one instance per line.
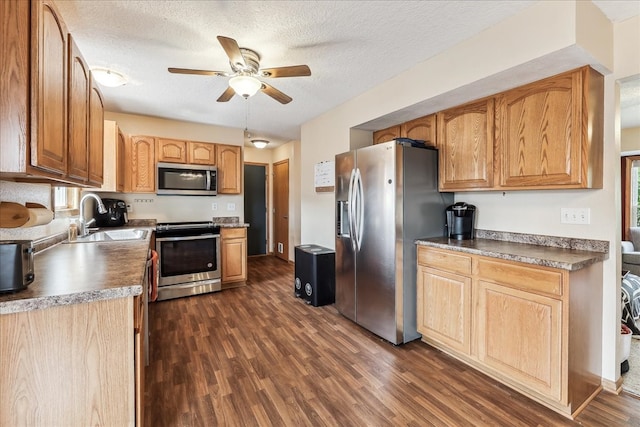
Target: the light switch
pixel 231 206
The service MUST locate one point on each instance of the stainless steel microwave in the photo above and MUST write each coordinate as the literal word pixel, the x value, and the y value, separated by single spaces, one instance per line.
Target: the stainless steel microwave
pixel 186 180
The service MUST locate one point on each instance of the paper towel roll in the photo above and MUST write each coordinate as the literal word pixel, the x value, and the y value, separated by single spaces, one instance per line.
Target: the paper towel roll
pixel 38 216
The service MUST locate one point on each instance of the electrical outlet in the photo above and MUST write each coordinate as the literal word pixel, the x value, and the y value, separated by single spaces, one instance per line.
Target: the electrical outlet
pixel 231 206
pixel 129 208
pixel 214 206
pixel 575 216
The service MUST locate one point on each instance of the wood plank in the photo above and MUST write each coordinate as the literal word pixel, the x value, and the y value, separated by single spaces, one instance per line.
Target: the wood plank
pixel 257 355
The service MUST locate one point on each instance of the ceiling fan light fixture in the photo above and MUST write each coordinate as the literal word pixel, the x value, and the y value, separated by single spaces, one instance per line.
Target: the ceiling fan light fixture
pixel 107 77
pixel 245 86
pixel 259 143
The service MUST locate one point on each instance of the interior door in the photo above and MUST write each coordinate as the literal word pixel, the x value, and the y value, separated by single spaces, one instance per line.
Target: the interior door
pixel 255 207
pixel 281 209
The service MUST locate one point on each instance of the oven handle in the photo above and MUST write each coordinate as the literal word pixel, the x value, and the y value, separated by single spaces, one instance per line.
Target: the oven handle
pixel 199 237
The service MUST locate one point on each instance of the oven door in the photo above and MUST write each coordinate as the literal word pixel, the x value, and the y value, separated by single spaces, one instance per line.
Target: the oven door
pixel 188 259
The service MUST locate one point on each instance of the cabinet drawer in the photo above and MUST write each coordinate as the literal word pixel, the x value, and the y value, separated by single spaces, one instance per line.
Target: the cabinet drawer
pixel 233 233
pixel 444 260
pixel 534 278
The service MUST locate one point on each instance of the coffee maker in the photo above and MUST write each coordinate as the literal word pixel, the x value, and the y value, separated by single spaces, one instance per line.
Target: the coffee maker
pixel 460 221
pixel 116 215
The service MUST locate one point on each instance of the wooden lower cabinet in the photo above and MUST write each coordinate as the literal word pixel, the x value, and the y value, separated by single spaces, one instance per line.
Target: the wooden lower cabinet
pixel 68 365
pixel 444 314
pixel 139 359
pixel 536 329
pixel 519 334
pixel 233 250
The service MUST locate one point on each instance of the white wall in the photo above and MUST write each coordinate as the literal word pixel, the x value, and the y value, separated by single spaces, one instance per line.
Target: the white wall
pixel 630 139
pixel 547 38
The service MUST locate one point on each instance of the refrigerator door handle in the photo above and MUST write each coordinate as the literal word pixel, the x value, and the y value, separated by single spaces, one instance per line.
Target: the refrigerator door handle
pixel 360 209
pixel 350 208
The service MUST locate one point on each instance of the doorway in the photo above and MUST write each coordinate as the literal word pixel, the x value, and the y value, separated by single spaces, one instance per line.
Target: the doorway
pixel 255 207
pixel 281 209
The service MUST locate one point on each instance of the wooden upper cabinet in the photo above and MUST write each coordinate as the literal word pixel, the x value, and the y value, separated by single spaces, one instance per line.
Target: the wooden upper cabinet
pixel 171 150
pixel 201 153
pixel 465 143
pixel 96 135
pixel 121 163
pixel 422 128
pixel 229 169
pixel 49 93
pixel 142 172
pixel 384 135
pixel 79 87
pixel 550 132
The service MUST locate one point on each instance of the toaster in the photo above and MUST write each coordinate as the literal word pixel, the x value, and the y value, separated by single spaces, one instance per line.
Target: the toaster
pixel 17 265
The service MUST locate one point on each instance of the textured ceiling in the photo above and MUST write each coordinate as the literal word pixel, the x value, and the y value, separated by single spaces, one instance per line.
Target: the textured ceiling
pixel 350 46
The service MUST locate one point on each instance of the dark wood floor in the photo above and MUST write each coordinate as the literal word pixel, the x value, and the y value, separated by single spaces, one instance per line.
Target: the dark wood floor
pixel 258 356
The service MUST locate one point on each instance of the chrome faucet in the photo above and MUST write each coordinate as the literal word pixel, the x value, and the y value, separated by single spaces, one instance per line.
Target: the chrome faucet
pixel 84 225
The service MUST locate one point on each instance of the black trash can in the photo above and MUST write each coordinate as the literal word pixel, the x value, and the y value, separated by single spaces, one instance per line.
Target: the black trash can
pixel 315 274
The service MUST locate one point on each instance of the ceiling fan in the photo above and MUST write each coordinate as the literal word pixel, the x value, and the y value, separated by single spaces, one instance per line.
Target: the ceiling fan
pixel 244 81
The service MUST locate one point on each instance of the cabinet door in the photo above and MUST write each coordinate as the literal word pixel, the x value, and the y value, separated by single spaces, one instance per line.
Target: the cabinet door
pixel 519 336
pixel 465 143
pixel 422 128
pixel 540 133
pixel 121 176
pixel 444 308
pixel 143 166
pixel 171 150
pixel 96 136
pixel 201 153
pixel 234 254
pixel 229 169
pixel 49 89
pixel 78 103
pixel 384 135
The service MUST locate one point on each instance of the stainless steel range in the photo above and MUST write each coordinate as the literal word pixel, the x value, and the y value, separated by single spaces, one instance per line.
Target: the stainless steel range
pixel 189 258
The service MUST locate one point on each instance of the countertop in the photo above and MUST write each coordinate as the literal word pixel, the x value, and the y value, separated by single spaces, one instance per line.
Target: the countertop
pixel 229 222
pixel 73 273
pixel 557 252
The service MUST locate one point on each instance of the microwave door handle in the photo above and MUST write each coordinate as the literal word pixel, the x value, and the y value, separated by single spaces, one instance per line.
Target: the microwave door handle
pixel 209 180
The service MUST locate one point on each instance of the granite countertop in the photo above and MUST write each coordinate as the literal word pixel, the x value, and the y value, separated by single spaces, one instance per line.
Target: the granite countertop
pixel 565 254
pixel 74 273
pixel 229 222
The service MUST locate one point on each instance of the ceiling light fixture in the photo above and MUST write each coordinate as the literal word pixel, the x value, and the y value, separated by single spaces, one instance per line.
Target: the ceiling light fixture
pixel 245 85
pixel 107 77
pixel 259 143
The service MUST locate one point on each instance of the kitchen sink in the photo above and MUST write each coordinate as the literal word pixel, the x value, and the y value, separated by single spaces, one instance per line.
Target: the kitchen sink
pixel 114 236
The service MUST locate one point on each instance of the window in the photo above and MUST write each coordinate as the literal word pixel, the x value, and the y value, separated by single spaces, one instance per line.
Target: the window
pixel 634 196
pixel 65 200
pixel 630 169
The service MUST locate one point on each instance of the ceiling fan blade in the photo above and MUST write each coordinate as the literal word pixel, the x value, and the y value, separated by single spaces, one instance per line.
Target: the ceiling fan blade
pixel 232 50
pixel 227 95
pixel 199 72
pixel 291 71
pixel 275 94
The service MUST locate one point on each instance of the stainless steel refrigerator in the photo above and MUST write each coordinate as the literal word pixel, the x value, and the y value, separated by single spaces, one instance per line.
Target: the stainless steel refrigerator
pixel 386 197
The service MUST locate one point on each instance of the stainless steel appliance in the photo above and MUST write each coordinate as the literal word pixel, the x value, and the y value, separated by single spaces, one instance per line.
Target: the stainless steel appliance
pixel 116 215
pixel 17 265
pixel 386 197
pixel 187 180
pixel 460 221
pixel 189 259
